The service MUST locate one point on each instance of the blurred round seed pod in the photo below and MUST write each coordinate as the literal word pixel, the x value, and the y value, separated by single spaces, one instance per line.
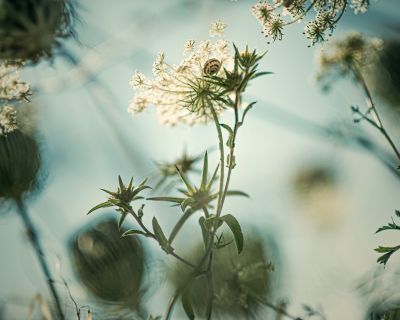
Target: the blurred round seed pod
pixel 20 164
pixel 384 74
pixel 111 268
pixel 315 186
pixel 240 281
pixel 31 29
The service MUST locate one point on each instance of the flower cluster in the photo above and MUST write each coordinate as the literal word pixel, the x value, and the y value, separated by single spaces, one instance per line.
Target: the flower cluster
pixel 11 86
pixel 183 93
pixel 341 57
pixel 327 14
pixel 12 90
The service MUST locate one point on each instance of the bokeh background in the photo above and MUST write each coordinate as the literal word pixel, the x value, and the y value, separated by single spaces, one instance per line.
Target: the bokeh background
pixel 318 198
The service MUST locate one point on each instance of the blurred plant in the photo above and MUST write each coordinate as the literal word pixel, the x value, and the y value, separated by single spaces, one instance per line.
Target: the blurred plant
pixel 20 163
pixel 167 170
pixel 315 186
pixel 326 14
pixel 241 281
pixel 384 73
pixel 211 79
pixel 384 313
pixel 103 262
pixel 32 29
pixel 350 57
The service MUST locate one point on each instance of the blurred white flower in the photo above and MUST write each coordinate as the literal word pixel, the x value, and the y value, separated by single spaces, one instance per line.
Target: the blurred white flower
pixel 217 28
pixel 11 86
pixel 8 120
pixel 340 57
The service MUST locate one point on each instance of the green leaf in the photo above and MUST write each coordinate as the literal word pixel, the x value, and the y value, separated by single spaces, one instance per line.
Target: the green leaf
pixel 133 232
pixel 230 141
pixel 122 219
pixel 213 177
pixel 121 184
pixel 388 251
pixel 101 205
pixel 247 110
pixel 184 179
pixel 397 212
pixel 205 173
pixel 160 236
pixel 187 303
pixel 140 211
pixel 167 199
pixel 237 193
pixel 234 225
pixel 204 230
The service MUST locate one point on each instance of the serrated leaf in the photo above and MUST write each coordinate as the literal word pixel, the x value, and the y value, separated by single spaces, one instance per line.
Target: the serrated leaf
pixel 187 304
pixel 133 232
pixel 234 225
pixel 160 236
pixel 388 251
pixel 101 205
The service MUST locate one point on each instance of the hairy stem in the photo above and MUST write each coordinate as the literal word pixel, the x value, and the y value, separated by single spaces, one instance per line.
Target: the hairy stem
pixel 35 242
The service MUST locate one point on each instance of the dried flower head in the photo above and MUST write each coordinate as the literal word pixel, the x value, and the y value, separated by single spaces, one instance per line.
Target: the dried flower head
pixel 339 58
pixel 183 93
pixel 104 261
pixel 327 14
pixel 31 29
pixel 20 163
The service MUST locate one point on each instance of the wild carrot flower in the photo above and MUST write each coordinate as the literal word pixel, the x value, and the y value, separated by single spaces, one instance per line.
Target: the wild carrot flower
pixel 327 14
pixel 182 93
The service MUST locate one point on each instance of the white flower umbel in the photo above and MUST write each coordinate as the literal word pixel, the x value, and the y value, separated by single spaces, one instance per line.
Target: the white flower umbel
pixel 8 119
pixel 11 86
pixel 325 14
pixel 182 93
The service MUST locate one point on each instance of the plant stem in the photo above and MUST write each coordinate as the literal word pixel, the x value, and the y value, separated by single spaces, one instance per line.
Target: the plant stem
pixel 35 242
pixel 371 108
pixel 210 286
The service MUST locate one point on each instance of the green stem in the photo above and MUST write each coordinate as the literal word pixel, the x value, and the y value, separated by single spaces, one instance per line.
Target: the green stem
pixel 221 160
